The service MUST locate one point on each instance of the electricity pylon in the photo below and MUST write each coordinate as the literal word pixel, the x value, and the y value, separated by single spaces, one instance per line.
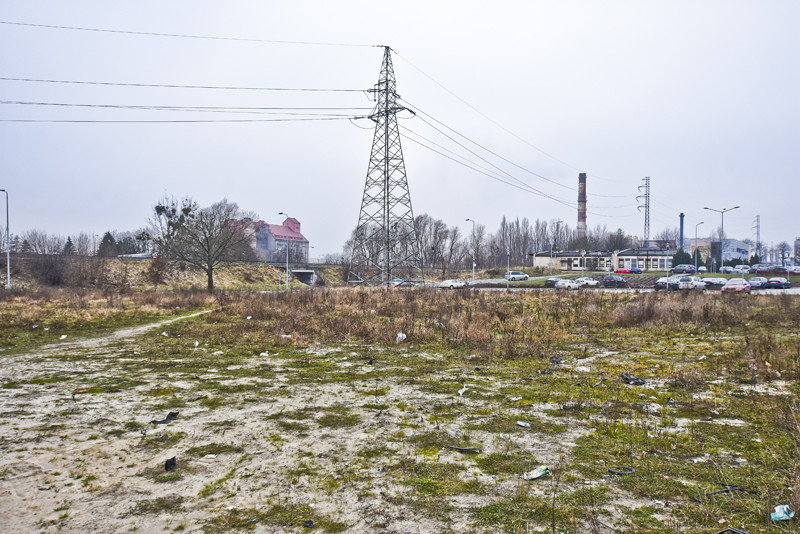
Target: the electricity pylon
pixel 385 245
pixel 646 207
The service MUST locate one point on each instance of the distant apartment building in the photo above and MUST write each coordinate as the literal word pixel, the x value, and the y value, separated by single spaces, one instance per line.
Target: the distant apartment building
pixel 647 259
pixel 733 249
pixel 271 241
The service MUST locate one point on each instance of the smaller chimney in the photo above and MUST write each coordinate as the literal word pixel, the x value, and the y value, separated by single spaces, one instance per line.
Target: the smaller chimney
pixel 681 243
pixel 582 205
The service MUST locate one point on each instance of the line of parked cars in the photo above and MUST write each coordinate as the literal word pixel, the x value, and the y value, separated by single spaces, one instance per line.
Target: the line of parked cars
pixel 737 285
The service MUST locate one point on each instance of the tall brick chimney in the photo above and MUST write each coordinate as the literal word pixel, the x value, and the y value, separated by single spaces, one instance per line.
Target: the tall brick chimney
pixel 582 205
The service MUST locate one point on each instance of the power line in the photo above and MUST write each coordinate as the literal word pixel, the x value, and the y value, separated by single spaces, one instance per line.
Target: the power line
pixel 201 109
pixel 185 36
pixel 184 121
pixel 542 151
pixel 420 112
pixel 175 86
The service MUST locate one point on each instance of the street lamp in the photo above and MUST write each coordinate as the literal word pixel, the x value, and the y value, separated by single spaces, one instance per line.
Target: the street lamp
pixel 287 250
pixel 722 232
pixel 8 246
pixel 473 248
pixel 555 236
pixel 695 244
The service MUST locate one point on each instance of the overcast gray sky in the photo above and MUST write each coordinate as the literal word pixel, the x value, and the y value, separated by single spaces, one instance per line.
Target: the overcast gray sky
pixel 702 96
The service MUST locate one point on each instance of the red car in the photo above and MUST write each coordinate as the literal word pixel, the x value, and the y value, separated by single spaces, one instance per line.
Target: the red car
pixel 622 271
pixel 736 285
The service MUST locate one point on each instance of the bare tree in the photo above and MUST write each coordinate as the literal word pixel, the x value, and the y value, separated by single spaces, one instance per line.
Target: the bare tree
pixel 220 232
pixel 40 242
pixel 169 216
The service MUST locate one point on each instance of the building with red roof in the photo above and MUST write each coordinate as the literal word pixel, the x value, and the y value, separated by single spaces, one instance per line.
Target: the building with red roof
pixel 272 239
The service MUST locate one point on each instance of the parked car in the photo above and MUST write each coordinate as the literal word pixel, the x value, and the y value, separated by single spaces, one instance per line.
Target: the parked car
pixel 393 282
pixel 513 276
pixel 762 268
pixel 780 269
pixel 736 285
pixel 794 269
pixel 702 269
pixel 757 282
pixel 613 280
pixel 452 284
pixel 636 270
pixel 741 269
pixel 585 281
pixel 567 283
pixel 778 282
pixel 691 282
pixel 726 269
pixel 683 268
pixel 661 283
pixel 715 283
pixel 622 271
pixel 551 282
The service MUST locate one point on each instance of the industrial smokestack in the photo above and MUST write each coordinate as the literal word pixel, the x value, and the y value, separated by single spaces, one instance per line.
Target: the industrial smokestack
pixel 582 205
pixel 681 245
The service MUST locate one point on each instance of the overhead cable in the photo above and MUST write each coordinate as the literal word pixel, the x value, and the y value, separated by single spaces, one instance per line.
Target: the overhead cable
pixel 184 36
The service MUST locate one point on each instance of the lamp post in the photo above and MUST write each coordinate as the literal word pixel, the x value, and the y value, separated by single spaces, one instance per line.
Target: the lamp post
pixel 555 236
pixel 287 250
pixel 8 246
pixel 473 248
pixel 695 245
pixel 722 231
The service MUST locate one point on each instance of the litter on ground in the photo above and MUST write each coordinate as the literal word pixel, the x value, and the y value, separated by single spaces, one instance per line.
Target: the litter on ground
pixel 539 472
pixel 523 424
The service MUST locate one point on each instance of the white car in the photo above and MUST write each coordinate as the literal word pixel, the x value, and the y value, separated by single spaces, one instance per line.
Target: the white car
pixel 691 282
pixel 452 284
pixel 741 269
pixel 567 283
pixel 513 276
pixel 585 281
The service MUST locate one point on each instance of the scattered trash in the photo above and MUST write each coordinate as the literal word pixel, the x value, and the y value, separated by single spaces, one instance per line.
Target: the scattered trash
pixel 264 354
pixel 477 368
pixel 322 455
pixel 671 401
pixel 703 357
pixel 36 326
pixel 466 450
pixel 196 343
pixel 164 334
pixel 597 383
pixel 539 472
pixel 523 424
pixel 400 337
pixel 63 336
pixel 715 412
pixel 309 523
pixel 462 390
pixel 383 423
pixel 555 359
pixel 82 390
pixel 47 328
pixel 171 416
pixel 217 353
pixel 622 470
pixel 209 456
pixel 371 361
pixel 728 489
pixel 515 399
pixel 249 317
pixel 255 519
pixel 782 513
pixel 171 464
pixel 731 530
pixel 632 380
pixel 197 398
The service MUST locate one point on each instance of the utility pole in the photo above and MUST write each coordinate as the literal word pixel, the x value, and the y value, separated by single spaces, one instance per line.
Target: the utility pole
pixel 646 206
pixel 757 226
pixel 385 244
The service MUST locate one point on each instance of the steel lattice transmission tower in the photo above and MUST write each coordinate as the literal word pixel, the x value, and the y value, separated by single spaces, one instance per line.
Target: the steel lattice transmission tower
pixel 385 244
pixel 646 207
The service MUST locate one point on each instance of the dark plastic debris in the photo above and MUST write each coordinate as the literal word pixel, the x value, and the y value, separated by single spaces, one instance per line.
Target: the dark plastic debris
pixel 171 416
pixel 171 464
pixel 555 359
pixel 727 489
pixel 632 380
pixel 622 470
pixel 309 523
pixel 466 450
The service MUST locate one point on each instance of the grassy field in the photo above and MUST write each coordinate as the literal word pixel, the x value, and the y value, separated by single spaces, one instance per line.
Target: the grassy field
pixel 306 406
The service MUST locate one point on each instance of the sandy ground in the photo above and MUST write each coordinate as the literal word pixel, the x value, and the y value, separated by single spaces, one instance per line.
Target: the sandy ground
pixel 75 461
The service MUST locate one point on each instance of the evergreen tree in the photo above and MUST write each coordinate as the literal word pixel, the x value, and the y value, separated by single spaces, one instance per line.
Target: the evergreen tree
pixel 681 257
pixel 108 246
pixel 69 248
